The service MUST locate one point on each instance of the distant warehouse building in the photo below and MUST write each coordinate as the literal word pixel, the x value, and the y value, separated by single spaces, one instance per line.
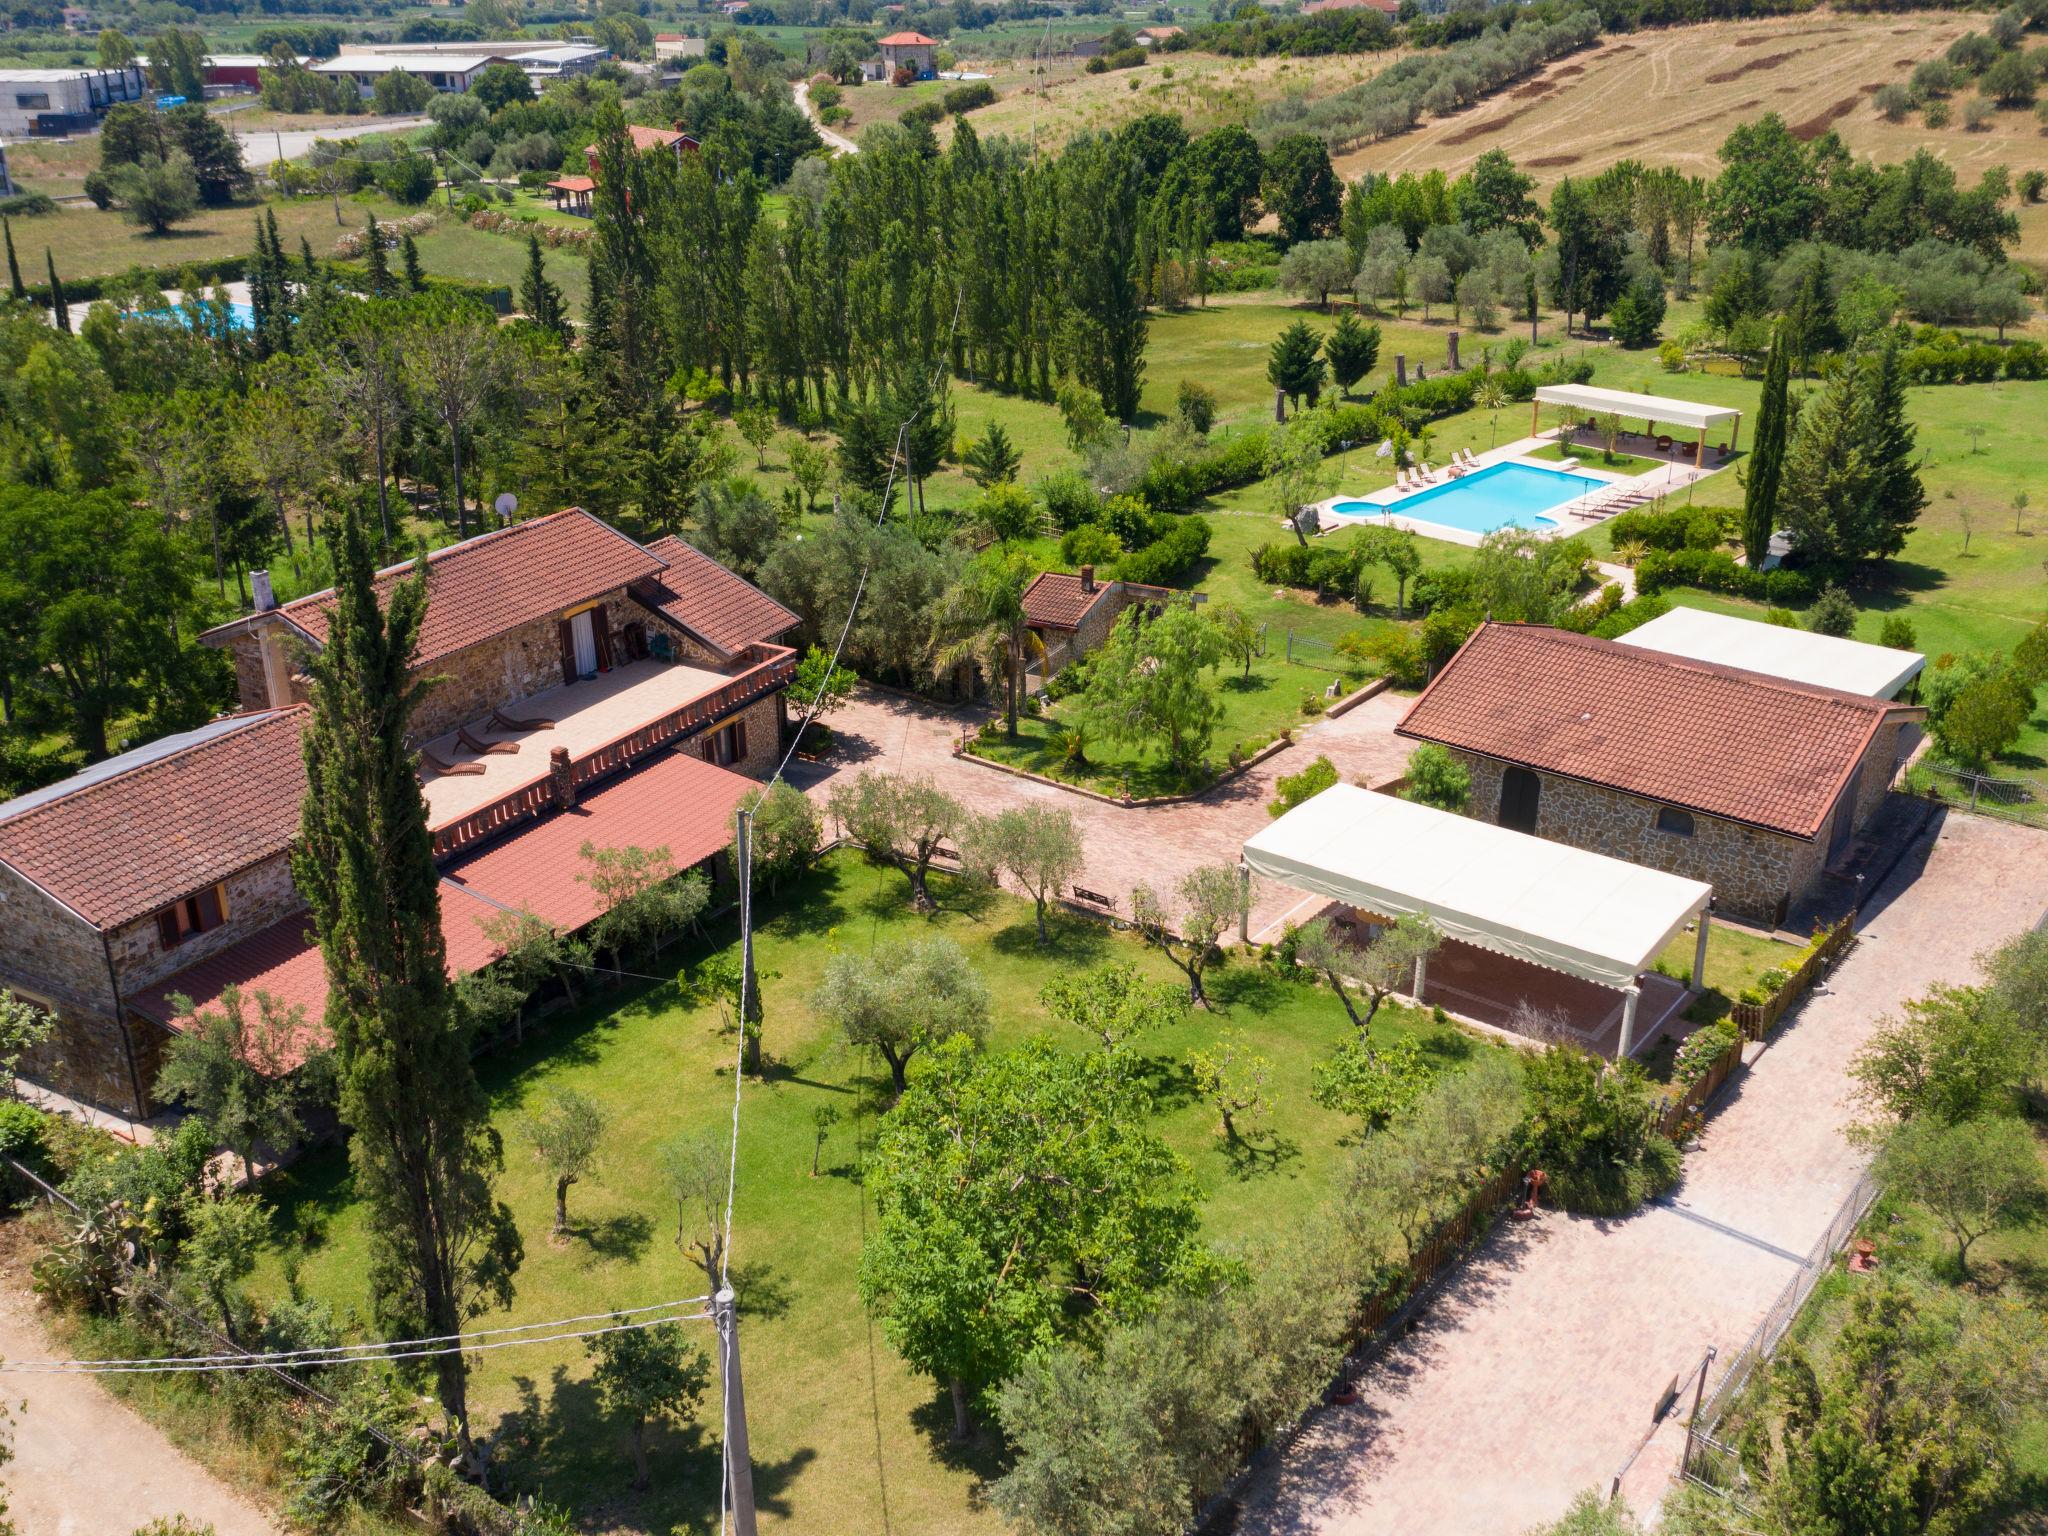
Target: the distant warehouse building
pixel 49 103
pixel 454 66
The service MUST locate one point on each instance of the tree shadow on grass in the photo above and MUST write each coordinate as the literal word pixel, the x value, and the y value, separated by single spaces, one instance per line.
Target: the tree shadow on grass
pixel 1253 684
pixel 1245 986
pixel 760 1290
pixel 1069 940
pixel 983 1455
pixel 1259 1154
pixel 1169 1080
pixel 614 1238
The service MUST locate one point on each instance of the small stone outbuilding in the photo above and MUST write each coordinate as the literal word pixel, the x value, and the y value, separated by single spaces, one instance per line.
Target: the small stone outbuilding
pixel 1752 783
pixel 1073 613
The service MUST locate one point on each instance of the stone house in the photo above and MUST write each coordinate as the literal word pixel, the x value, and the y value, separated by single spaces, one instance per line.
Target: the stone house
pixel 1753 783
pixel 909 50
pixel 569 670
pixel 1072 614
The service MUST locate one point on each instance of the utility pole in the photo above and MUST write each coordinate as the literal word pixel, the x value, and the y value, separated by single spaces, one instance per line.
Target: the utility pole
pixel 739 1468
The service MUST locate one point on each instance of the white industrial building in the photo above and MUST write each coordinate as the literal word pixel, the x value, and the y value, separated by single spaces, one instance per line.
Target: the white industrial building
pixel 49 103
pixel 454 66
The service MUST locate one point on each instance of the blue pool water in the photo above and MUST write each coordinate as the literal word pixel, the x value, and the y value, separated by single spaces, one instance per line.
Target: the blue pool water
pixel 1499 496
pixel 241 317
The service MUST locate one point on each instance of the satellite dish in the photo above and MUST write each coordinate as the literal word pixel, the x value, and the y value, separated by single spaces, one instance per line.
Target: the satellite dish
pixel 506 504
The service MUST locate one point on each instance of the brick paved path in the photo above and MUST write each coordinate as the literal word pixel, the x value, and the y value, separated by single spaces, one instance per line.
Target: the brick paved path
pixel 1535 1373
pixel 1124 847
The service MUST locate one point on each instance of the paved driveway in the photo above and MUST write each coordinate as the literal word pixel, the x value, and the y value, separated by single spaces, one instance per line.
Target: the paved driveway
pixel 1535 1374
pixel 1125 847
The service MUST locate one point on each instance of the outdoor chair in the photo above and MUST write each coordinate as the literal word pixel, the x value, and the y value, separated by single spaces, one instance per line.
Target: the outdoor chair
pixel 477 744
pixel 505 722
pixel 442 766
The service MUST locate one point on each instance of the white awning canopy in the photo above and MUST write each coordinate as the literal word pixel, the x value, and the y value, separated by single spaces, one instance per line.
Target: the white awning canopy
pixel 1620 402
pixel 1582 913
pixel 1798 655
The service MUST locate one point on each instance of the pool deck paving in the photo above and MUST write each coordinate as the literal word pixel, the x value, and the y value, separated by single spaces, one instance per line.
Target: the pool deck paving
pixel 1534 1374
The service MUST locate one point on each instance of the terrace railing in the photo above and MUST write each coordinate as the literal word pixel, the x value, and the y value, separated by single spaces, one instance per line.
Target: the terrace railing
pixel 763 670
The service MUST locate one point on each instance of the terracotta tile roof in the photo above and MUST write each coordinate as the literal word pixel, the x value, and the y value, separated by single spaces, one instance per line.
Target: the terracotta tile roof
pixel 909 40
pixel 128 843
pixel 646 138
pixel 698 594
pixel 497 581
pixel 284 961
pixel 678 801
pixel 1710 738
pixel 1057 600
pixel 574 183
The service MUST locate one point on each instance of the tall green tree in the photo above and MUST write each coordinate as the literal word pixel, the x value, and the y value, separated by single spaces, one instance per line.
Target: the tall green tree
pixel 421 1148
pixel 1897 496
pixel 1147 683
pixel 1107 324
pixel 1766 465
pixel 15 286
pixel 1352 348
pixel 540 297
pixel 1018 1193
pixel 60 307
pixel 1294 363
pixel 1300 189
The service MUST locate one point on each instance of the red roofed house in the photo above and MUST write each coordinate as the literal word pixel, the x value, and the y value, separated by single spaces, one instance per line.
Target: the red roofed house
pixel 1318 7
pixel 1073 614
pixel 1752 783
pixel 573 193
pixel 909 50
pixel 587 688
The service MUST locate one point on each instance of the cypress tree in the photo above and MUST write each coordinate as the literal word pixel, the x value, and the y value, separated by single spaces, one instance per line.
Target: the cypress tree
pixel 539 296
pixel 378 263
pixel 1897 497
pixel 60 308
pixel 421 1149
pixel 14 283
pixel 306 258
pixel 415 274
pixel 1294 366
pixel 1766 455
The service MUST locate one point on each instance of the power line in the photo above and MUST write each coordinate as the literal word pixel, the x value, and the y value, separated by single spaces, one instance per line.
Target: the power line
pixel 321 1354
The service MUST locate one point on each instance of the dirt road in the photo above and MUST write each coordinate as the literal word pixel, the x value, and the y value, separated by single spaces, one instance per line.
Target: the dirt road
pixel 838 143
pixel 86 1464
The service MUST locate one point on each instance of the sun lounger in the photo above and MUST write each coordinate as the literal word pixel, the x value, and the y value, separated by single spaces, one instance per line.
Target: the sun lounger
pixel 477 744
pixel 1428 473
pixel 444 767
pixel 505 722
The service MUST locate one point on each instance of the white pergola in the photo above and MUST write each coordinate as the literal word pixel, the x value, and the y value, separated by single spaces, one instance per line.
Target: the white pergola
pixel 1599 919
pixel 1649 409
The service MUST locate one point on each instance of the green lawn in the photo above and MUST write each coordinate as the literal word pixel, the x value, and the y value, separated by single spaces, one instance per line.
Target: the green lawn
pixel 839 1425
pixel 1255 709
pixel 453 249
pixel 1619 464
pixel 1736 956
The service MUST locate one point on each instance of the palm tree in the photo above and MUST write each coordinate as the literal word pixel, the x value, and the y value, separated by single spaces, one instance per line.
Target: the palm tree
pixel 983 621
pixel 1490 397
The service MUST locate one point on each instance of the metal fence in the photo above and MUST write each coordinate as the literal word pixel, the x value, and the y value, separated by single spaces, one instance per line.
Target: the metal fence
pixel 1706 1458
pixel 2021 798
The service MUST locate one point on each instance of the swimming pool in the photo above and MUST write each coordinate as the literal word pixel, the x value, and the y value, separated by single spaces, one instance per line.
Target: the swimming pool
pixel 241 317
pixel 1499 496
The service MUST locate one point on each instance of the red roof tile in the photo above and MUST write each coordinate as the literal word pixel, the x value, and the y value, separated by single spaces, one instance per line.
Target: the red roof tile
pixel 498 581
pixel 678 801
pixel 909 40
pixel 131 842
pixel 574 183
pixel 1715 739
pixel 645 138
pixel 726 611
pixel 284 961
pixel 1057 600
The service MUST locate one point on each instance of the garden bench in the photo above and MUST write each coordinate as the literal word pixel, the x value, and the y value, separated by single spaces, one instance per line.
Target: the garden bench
pixel 1082 894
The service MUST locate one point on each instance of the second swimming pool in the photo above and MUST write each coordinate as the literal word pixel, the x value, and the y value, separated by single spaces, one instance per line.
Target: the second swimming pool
pixel 1499 496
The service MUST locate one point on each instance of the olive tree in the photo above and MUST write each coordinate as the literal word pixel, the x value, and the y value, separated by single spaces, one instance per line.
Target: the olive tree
pixel 566 1132
pixel 1382 966
pixel 647 1373
pixel 903 998
pixel 901 821
pixel 1038 846
pixel 1212 897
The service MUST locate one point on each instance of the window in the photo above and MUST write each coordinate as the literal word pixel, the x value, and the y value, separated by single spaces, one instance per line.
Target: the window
pixel 727 745
pixel 1671 819
pixel 192 916
pixel 32 101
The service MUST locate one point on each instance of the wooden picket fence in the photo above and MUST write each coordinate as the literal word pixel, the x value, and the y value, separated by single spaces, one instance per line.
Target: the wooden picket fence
pixel 1756 1020
pixel 1679 1105
pixel 1442 1248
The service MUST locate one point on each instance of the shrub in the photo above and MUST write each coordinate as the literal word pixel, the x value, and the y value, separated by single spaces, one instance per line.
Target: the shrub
pixel 1593 1130
pixel 1299 788
pixel 1437 778
pixel 22 1128
pixel 1393 653
pixel 1716 571
pixel 1701 1050
pixel 966 98
pixel 1069 499
pixel 1832 613
pixel 1165 559
pixel 929 113
pixel 1196 403
pixel 27 205
pixel 1090 544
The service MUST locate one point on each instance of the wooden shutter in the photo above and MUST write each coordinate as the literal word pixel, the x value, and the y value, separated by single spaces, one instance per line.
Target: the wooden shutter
pixel 167 927
pixel 601 627
pixel 739 742
pixel 568 638
pixel 208 909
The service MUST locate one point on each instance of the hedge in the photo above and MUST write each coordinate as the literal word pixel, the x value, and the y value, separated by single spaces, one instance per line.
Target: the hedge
pixel 356 278
pixel 1165 559
pixel 1177 485
pixel 1674 528
pixel 84 290
pixel 1715 570
pixel 1973 362
pixel 966 98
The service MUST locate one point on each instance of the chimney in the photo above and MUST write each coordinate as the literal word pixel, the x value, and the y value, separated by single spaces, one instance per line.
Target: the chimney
pixel 562 778
pixel 1087 578
pixel 259 588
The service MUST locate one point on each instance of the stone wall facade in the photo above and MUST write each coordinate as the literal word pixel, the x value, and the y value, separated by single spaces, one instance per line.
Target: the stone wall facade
pixel 255 898
pixel 763 720
pixel 1755 873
